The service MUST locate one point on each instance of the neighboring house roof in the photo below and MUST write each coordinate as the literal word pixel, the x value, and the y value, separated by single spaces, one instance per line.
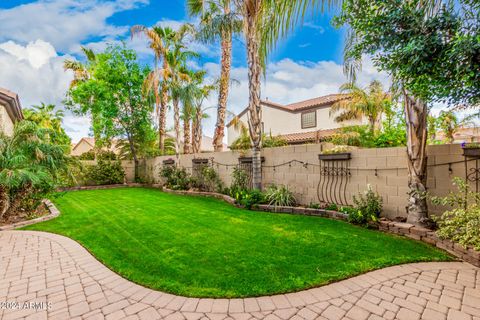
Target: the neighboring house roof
pixel 12 104
pixel 465 134
pixel 304 137
pixel 301 105
pixel 91 142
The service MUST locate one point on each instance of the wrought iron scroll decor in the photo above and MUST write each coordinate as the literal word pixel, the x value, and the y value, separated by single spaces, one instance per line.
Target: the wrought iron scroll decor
pixel 334 177
pixel 472 174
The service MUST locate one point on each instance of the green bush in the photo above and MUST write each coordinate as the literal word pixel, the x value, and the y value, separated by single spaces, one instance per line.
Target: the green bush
pixel 240 182
pixel 314 205
pixel 331 206
pixel 208 180
pixel 249 198
pixel 280 196
pixel 462 223
pixel 89 155
pixel 106 155
pixel 104 172
pixel 367 208
pixel 176 178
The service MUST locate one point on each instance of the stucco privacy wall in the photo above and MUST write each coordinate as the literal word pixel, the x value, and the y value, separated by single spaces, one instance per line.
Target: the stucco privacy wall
pixel 390 180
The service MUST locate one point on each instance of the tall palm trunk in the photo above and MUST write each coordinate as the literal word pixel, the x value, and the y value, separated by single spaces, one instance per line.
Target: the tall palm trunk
pixel 254 107
pixel 163 111
pixel 226 64
pixel 197 131
pixel 186 136
pixel 4 201
pixel 176 124
pixel 416 113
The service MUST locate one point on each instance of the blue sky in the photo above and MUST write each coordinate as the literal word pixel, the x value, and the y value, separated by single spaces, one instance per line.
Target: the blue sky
pixel 37 36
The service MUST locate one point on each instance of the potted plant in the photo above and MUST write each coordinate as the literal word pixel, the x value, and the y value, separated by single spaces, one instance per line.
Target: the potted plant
pixel 471 150
pixel 336 153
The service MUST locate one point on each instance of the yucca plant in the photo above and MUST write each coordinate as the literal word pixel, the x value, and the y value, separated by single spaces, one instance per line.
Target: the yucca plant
pixel 280 196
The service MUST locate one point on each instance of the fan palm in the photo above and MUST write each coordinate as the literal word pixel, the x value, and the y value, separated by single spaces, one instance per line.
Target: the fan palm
pixel 370 103
pixel 218 21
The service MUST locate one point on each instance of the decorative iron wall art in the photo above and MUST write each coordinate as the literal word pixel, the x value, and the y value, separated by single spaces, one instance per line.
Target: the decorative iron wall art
pixel 334 176
pixel 472 174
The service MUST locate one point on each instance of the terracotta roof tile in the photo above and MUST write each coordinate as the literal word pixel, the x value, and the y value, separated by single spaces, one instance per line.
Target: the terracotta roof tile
pixel 311 136
pixel 315 102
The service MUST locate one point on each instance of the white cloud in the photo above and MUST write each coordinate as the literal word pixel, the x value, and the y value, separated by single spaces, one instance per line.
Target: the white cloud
pixel 35 72
pixel 63 23
pixel 36 53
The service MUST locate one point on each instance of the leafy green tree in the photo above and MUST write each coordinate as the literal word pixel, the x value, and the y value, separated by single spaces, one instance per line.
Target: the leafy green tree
pixel 31 165
pixel 431 51
pixel 47 117
pixel 113 96
pixel 218 22
pixel 370 103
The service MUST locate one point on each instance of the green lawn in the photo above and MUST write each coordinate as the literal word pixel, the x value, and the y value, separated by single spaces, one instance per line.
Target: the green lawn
pixel 203 247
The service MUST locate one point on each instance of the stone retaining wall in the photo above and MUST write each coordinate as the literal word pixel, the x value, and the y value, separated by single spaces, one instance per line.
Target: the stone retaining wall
pixel 426 235
pixel 54 212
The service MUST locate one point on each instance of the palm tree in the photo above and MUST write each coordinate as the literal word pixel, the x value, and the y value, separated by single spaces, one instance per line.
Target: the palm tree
pixel 264 22
pixel 160 41
pixel 29 162
pixel 371 103
pixel 178 76
pixel 218 21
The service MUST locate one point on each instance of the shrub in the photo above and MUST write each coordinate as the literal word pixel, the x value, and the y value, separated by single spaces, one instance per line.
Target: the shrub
pixel 89 155
pixel 279 196
pixel 240 181
pixel 208 180
pixel 106 155
pixel 314 205
pixel 249 198
pixel 176 178
pixel 462 223
pixel 367 208
pixel 105 172
pixel 331 206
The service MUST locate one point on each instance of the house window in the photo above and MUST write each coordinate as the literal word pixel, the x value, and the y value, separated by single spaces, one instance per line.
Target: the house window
pixel 309 119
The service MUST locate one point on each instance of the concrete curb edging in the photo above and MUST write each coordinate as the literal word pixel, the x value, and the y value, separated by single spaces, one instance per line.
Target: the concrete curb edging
pixel 54 212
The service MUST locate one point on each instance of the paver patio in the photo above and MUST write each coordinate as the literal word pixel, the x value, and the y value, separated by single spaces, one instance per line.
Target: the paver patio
pixel 72 284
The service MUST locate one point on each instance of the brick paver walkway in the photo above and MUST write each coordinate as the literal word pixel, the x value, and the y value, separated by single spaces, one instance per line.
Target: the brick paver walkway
pixel 71 284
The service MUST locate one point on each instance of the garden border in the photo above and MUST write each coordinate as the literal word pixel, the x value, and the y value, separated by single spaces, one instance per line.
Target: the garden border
pixel 53 213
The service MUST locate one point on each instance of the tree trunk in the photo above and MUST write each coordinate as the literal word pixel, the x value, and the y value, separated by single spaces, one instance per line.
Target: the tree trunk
pixel 226 64
pixel 176 121
pixel 197 131
pixel 163 111
pixel 416 113
pixel 186 136
pixel 254 106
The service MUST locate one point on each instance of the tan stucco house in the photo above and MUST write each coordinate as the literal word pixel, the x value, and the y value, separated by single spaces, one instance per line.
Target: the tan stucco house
pixel 86 144
pixel 297 123
pixel 10 111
